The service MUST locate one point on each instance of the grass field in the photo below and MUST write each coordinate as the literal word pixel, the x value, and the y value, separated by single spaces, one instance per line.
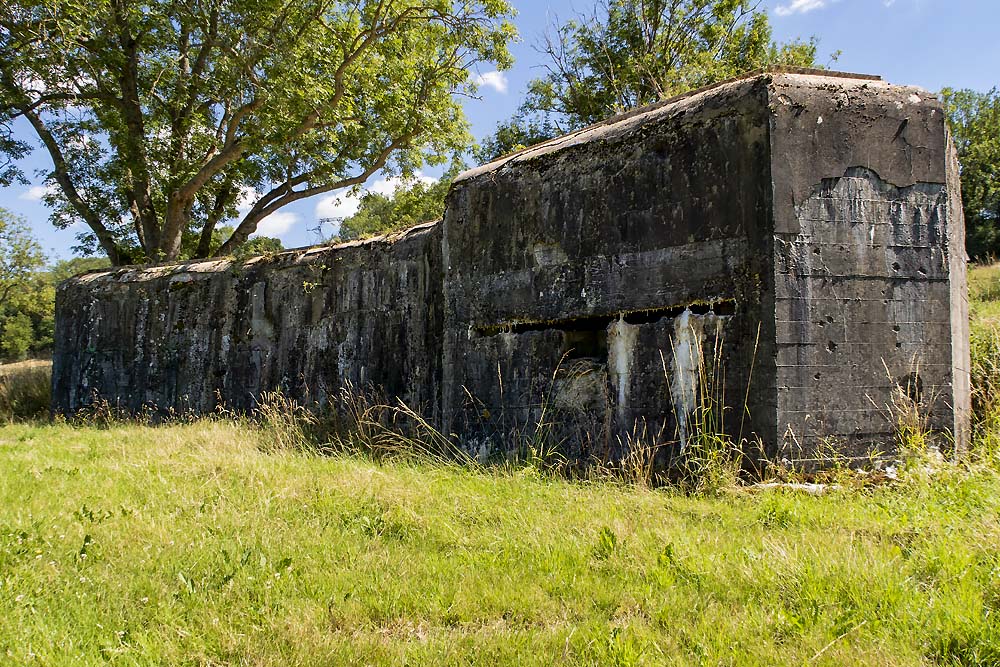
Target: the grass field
pixel 204 544
pixel 190 545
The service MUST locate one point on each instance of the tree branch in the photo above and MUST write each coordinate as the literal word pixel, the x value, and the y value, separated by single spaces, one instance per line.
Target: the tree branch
pixel 140 189
pixel 215 214
pixel 249 223
pixel 62 176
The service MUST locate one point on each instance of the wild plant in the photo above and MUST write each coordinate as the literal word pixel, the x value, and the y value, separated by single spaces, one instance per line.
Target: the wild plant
pixel 985 371
pixel 537 442
pixel 283 422
pixel 642 449
pixel 907 410
pixel 709 458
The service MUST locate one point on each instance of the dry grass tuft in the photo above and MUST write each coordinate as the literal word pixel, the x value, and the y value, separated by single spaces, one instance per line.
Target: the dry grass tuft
pixel 25 390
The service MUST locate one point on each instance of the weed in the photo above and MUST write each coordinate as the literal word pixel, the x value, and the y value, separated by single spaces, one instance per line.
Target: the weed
pixel 985 346
pixel 623 649
pixel 283 422
pixel 909 413
pixel 607 544
pixel 368 425
pixel 638 464
pixel 710 459
pixel 774 513
pixel 984 292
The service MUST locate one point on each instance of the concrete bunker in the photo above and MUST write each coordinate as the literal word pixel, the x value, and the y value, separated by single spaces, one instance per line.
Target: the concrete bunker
pixel 788 245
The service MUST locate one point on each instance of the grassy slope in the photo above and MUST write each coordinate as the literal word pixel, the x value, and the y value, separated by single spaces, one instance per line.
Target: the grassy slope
pixel 191 545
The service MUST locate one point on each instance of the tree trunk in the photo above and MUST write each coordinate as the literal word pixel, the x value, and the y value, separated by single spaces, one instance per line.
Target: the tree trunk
pixel 177 219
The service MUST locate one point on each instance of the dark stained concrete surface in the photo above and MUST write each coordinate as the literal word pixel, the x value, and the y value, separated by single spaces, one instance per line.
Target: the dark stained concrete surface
pixel 781 255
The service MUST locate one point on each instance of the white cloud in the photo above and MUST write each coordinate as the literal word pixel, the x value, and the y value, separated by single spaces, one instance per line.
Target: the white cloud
pixel 340 204
pixel 276 224
pixel 799 7
pixel 495 80
pixel 805 6
pixel 37 192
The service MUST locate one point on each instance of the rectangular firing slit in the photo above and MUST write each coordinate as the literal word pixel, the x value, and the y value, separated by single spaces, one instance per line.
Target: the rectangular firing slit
pixel 599 323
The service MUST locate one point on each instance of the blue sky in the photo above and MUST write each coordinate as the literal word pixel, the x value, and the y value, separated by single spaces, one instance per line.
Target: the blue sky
pixel 928 43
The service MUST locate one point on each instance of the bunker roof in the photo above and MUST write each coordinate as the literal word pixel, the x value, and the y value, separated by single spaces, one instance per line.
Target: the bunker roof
pixel 732 88
pixel 183 271
pixel 825 80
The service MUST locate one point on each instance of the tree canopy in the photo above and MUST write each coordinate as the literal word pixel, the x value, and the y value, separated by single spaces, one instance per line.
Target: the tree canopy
pixel 628 53
pixel 975 124
pixel 162 118
pixel 413 202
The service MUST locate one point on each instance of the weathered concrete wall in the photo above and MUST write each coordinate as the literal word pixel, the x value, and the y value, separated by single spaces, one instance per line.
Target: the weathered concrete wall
pixel 611 257
pixel 866 252
pixel 785 249
pixel 308 322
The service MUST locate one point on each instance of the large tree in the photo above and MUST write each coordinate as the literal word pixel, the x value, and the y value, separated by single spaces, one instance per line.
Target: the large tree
pixel 975 124
pixel 628 53
pixel 161 118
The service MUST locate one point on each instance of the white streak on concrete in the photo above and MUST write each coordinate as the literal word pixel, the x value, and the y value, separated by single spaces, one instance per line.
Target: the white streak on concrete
pixel 621 345
pixel 509 342
pixel 686 344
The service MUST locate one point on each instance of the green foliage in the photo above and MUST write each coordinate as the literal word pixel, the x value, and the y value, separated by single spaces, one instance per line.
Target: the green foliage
pixel 975 125
pixel 67 268
pixel 607 544
pixel 17 336
pixel 20 253
pixel 28 290
pixel 521 131
pixel 414 201
pixel 258 245
pixel 162 118
pixel 629 53
pixel 27 298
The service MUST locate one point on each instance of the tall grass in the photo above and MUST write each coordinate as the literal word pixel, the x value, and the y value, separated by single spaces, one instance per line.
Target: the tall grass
pixel 25 390
pixel 712 459
pixel 984 299
pixel 361 421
